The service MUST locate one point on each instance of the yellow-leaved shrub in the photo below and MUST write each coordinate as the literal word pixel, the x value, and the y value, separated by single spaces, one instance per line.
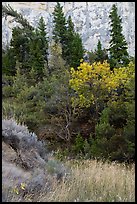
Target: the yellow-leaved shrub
pixel 96 82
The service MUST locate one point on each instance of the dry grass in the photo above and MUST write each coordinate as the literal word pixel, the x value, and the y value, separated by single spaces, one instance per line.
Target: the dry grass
pixel 95 181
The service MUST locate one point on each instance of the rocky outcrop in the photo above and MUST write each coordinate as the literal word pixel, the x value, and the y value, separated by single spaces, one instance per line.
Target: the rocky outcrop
pixel 91 20
pixel 25 160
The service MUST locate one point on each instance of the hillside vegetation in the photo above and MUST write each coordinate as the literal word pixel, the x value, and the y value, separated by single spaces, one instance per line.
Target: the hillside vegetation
pixel 80 104
pixel 94 181
pixel 32 174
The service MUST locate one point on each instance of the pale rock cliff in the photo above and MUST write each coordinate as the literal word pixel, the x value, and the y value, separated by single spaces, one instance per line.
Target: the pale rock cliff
pixel 91 20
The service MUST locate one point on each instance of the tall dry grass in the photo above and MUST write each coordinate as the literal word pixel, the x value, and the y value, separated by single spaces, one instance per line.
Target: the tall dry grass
pixel 93 181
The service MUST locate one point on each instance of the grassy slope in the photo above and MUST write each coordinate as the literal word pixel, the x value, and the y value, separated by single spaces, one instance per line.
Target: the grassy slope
pixel 94 181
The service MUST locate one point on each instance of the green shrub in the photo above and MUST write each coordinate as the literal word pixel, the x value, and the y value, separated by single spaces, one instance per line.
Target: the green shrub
pixel 104 118
pixel 7 91
pixel 115 133
pixel 87 149
pixel 103 127
pixel 118 147
pixel 104 130
pixel 118 115
pixel 7 109
pixel 130 153
pixel 100 148
pixel 79 144
pixel 27 106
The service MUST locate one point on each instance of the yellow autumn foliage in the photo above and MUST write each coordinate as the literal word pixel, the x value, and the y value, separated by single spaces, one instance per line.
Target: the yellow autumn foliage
pixel 95 82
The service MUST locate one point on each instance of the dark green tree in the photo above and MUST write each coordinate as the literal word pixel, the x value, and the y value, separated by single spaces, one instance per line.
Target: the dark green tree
pixel 36 60
pixel 118 45
pixel 70 27
pixel 101 54
pixel 75 50
pixel 64 33
pixel 39 50
pixel 59 28
pixel 8 62
pixel 70 38
pixel 42 33
pixel 20 45
pixel 21 36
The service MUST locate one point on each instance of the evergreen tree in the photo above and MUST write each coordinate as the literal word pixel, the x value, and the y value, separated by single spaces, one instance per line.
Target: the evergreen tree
pixel 64 33
pixel 31 50
pixel 8 62
pixel 90 57
pixel 39 50
pixel 36 60
pixel 59 28
pixel 101 54
pixel 75 48
pixel 20 37
pixel 44 39
pixel 20 45
pixel 70 38
pixel 118 45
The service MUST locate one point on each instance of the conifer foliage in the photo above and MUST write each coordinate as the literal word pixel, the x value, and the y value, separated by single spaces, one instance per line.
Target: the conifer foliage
pixel 59 28
pixel 75 47
pixel 8 61
pixel 101 54
pixel 39 50
pixel 20 46
pixel 29 45
pixel 64 33
pixel 118 45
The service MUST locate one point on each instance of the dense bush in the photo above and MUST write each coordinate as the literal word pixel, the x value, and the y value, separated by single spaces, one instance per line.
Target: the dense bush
pixel 79 144
pixel 27 101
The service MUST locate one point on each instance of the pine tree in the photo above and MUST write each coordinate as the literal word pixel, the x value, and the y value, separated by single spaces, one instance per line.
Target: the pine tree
pixel 8 61
pixel 75 50
pixel 118 45
pixel 36 60
pixel 59 28
pixel 20 45
pixel 64 33
pixel 44 39
pixel 70 39
pixel 21 36
pixel 101 54
pixel 39 51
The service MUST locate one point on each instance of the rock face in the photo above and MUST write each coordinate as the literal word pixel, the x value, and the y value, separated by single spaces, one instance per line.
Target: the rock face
pixel 91 20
